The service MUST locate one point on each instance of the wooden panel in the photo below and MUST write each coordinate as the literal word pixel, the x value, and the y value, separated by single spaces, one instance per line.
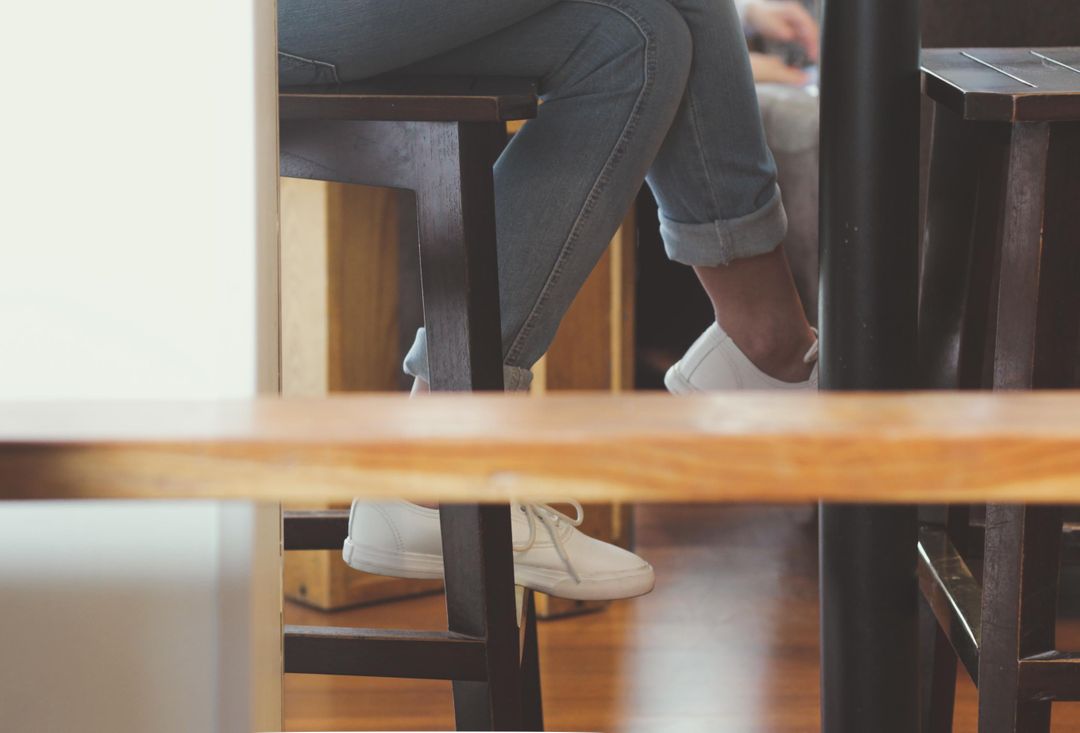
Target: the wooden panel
pixel 362 245
pixel 912 448
pixel 594 347
pixel 304 314
pixel 581 356
pixel 339 287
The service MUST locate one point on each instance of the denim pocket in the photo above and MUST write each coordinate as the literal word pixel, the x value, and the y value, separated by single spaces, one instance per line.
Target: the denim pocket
pixel 299 71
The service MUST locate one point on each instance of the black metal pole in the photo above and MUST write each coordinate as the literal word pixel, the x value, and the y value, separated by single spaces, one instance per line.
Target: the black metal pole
pixel 869 194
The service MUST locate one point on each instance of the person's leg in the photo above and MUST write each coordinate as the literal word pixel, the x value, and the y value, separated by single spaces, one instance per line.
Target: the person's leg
pixel 720 208
pixel 758 306
pixel 611 74
pixel 348 40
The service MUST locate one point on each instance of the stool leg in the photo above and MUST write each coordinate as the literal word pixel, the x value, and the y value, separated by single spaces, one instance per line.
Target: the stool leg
pixel 1020 257
pixel 938 672
pixel 455 200
pixel 1019 605
pixel 459 273
pixel 947 248
pixel 1023 543
pixel 967 164
pixel 938 659
pixel 479 577
pixel 532 712
pixel 1058 340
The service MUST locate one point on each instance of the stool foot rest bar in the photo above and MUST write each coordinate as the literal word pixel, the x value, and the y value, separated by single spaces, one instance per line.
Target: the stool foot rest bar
pixel 429 655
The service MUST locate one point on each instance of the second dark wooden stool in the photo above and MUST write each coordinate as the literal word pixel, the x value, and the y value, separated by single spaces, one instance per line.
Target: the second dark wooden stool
pixel 1000 308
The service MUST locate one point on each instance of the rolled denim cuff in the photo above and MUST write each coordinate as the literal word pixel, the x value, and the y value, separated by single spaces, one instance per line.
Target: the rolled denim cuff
pixel 515 378
pixel 723 241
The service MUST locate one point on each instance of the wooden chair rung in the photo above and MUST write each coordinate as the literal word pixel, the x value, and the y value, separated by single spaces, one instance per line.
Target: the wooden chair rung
pixel 953 594
pixel 314 530
pixel 430 655
pixel 1054 676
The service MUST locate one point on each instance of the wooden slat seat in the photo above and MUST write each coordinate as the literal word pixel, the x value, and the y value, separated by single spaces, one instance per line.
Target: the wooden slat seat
pixel 749 447
pixel 1005 84
pixel 414 98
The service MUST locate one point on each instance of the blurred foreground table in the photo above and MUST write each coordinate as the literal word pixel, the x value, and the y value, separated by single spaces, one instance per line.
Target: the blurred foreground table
pixel 864 447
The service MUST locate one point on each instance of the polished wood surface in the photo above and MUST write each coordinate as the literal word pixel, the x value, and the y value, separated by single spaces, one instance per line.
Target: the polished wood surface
pixel 737 447
pixel 362 287
pixel 728 641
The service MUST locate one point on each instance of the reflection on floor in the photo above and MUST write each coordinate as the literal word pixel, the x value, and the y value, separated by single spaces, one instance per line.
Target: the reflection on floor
pixel 727 642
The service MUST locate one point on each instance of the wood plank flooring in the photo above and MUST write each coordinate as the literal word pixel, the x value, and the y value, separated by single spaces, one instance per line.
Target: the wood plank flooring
pixel 727 642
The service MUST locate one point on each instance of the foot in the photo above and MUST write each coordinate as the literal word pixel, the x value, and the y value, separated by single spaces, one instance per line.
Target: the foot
pixel 714 363
pixel 550 554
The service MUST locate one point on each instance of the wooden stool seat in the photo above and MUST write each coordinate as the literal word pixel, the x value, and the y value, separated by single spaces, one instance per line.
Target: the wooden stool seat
pixel 414 98
pixel 1005 84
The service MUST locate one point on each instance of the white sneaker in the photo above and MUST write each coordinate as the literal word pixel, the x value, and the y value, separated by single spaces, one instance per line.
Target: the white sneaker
pixel 715 363
pixel 550 554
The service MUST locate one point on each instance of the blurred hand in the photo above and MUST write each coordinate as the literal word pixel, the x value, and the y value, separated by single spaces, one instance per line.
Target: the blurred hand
pixel 772 70
pixel 785 21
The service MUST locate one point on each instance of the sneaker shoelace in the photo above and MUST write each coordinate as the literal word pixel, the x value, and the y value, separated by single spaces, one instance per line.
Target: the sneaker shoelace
pixel 551 518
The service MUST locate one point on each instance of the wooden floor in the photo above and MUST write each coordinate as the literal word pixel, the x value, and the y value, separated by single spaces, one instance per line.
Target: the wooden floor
pixel 727 642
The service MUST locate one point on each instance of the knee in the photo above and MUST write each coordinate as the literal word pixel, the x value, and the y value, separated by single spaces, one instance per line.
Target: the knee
pixel 672 45
pixel 648 40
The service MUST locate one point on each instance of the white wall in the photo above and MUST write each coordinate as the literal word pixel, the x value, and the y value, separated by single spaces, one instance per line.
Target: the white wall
pixel 138 199
pixel 138 256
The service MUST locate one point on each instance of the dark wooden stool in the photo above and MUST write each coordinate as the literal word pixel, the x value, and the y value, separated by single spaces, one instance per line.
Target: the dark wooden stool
pixel 1000 309
pixel 439 137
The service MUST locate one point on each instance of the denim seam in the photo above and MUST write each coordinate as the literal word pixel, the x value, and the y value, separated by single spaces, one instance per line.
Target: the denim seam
pixel 695 125
pixel 602 180
pixel 332 67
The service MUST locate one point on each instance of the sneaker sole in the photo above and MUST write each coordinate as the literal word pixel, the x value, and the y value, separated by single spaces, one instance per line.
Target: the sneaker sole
pixel 430 567
pixel 394 564
pixel 561 585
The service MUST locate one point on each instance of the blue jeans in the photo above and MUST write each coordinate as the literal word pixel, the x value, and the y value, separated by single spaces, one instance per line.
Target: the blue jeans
pixel 659 90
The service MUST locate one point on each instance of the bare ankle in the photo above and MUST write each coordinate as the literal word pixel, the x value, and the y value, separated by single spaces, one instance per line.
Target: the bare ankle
pixel 779 350
pixel 757 304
